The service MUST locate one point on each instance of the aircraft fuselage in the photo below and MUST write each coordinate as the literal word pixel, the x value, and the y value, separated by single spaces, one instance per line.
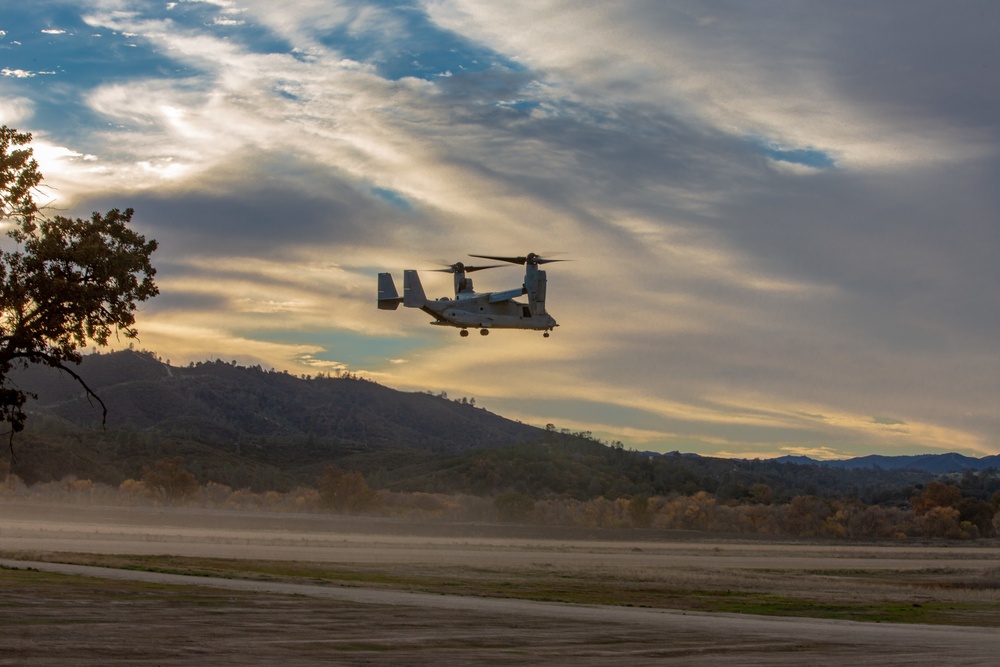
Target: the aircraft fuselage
pixel 478 312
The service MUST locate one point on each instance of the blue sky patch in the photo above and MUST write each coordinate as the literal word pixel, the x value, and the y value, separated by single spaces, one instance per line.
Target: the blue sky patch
pixel 66 59
pixel 524 107
pixel 420 48
pixel 354 350
pixel 199 16
pixel 808 157
pixel 392 197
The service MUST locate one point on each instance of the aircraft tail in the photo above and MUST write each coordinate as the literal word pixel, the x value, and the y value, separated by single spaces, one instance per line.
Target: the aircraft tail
pixel 388 297
pixel 413 291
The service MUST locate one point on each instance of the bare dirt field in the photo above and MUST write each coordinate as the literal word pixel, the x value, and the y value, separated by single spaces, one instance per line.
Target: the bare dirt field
pixel 97 586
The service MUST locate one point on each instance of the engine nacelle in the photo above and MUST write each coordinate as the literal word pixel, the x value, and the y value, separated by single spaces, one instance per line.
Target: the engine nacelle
pixel 534 285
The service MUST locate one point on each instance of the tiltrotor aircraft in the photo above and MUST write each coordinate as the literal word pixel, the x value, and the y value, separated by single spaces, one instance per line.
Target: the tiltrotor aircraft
pixel 477 310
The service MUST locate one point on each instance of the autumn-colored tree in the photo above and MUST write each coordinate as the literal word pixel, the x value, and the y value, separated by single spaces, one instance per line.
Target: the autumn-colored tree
pixel 806 516
pixel 344 491
pixel 168 479
pixel 756 519
pixel 944 522
pixel 935 494
pixel 871 521
pixel 697 512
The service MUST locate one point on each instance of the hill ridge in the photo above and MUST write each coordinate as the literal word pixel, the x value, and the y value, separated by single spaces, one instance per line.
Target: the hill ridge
pixel 244 426
pixel 944 462
pixel 143 393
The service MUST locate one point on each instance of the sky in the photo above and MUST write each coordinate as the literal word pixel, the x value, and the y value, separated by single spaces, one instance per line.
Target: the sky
pixel 783 217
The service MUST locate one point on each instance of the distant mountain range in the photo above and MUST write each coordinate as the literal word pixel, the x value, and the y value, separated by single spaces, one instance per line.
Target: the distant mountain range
pixel 932 463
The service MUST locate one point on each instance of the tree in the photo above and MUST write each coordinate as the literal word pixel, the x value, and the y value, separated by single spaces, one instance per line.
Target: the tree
pixel 977 512
pixel 67 282
pixel 168 479
pixel 639 511
pixel 761 493
pixel 936 494
pixel 19 176
pixel 514 507
pixel 345 491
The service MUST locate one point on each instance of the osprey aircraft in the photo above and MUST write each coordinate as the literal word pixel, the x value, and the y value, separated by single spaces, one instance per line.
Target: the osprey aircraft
pixel 477 310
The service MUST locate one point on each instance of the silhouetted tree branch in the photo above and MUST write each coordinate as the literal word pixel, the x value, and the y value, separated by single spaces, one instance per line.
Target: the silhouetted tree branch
pixel 67 283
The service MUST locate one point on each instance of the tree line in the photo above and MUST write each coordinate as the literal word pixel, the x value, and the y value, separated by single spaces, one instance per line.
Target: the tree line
pixel 937 510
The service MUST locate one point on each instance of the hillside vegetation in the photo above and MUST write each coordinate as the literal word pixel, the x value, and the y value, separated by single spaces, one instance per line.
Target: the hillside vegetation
pixel 237 425
pixel 213 429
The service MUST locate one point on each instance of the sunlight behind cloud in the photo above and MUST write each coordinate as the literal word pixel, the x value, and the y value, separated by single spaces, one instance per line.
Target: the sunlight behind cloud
pixel 780 222
pixel 14 110
pixel 191 344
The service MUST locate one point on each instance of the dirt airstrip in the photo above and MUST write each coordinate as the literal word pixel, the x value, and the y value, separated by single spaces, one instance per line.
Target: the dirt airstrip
pixel 99 586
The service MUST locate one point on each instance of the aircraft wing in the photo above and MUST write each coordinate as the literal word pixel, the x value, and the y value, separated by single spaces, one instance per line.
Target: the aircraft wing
pixel 497 297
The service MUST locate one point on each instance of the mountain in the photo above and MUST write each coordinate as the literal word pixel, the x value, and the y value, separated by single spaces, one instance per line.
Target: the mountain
pixel 243 426
pixel 249 427
pixel 950 462
pixel 220 402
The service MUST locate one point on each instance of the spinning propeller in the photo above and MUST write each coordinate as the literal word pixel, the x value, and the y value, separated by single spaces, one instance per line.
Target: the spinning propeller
pixel 459 267
pixel 531 259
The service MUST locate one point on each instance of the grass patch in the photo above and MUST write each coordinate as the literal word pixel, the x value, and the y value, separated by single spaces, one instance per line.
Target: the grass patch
pixel 835 594
pixel 23 587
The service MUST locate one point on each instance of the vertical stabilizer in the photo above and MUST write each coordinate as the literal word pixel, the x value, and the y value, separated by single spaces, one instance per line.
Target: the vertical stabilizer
pixel 413 291
pixel 388 297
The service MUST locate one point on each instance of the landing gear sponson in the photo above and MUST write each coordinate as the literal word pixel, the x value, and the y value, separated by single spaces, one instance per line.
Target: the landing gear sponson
pixel 464 333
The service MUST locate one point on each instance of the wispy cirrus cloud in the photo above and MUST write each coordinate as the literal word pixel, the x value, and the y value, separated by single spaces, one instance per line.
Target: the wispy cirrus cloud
pixel 773 211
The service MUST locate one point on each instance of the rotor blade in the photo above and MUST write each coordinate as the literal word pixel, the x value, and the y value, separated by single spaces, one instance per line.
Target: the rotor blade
pixel 512 260
pixel 536 258
pixel 531 258
pixel 459 266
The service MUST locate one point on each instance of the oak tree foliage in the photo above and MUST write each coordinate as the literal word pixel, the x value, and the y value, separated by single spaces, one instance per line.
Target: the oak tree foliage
pixel 64 283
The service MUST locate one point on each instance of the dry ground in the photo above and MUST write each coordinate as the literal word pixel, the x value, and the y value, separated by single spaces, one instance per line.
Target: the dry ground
pixel 196 587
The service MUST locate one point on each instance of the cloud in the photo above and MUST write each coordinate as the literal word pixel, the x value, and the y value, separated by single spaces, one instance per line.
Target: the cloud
pixel 774 212
pixel 800 76
pixel 14 109
pixel 16 73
